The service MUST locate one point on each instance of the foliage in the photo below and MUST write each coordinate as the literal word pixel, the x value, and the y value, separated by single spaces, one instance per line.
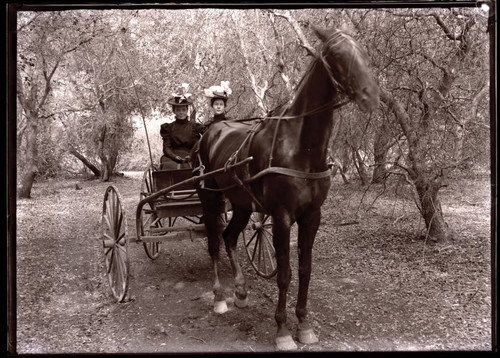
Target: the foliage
pixel 131 60
pixel 44 40
pixel 426 67
pixel 423 68
pixel 50 153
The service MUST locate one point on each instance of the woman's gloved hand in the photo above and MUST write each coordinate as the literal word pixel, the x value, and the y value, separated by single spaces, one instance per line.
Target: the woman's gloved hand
pixel 178 159
pixel 181 160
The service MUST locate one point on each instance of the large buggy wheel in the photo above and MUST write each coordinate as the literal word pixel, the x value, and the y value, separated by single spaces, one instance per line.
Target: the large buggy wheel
pixel 149 217
pixel 258 240
pixel 115 243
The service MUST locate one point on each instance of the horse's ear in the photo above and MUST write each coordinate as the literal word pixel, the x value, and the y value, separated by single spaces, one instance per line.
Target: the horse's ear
pixel 321 33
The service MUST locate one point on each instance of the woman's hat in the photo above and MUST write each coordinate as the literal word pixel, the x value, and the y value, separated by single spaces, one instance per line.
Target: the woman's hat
pixel 181 97
pixel 179 101
pixel 223 91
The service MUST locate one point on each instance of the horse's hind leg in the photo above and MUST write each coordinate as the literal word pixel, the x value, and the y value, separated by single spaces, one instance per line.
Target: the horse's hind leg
pixel 211 203
pixel 308 226
pixel 237 224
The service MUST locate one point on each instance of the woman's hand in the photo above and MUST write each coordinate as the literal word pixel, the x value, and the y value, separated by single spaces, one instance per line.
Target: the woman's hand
pixel 178 159
pixel 181 160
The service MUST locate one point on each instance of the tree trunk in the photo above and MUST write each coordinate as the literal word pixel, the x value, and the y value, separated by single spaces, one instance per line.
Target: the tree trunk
pixel 27 180
pixel 105 172
pixel 30 167
pixel 113 160
pixel 259 91
pixel 280 62
pixel 360 166
pixel 84 160
pixel 460 126
pixel 379 171
pixel 343 173
pixel 380 149
pixel 344 163
pixel 430 207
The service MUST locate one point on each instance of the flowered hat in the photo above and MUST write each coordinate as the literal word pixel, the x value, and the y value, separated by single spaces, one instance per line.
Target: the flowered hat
pixel 181 97
pixel 219 92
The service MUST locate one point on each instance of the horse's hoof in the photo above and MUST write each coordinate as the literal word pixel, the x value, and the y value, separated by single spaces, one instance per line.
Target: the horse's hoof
pixel 240 303
pixel 307 336
pixel 220 307
pixel 285 343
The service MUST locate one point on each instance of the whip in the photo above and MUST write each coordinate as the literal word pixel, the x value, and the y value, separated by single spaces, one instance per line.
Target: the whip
pixel 140 107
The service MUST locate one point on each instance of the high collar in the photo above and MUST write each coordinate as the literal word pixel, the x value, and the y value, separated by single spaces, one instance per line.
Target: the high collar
pixel 181 121
pixel 219 117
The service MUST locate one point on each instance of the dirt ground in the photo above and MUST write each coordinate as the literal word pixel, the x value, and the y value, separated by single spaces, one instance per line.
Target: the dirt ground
pixel 376 286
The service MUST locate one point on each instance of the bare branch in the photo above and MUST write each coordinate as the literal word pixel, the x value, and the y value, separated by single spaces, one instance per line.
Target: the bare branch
pixel 296 27
pixel 445 29
pixel 477 98
pixel 431 60
pixel 20 28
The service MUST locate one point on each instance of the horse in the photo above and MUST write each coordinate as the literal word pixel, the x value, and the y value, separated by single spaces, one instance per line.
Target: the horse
pixel 287 177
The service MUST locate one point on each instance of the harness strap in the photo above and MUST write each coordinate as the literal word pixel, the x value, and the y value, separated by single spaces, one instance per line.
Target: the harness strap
pixel 274 142
pixel 289 172
pixel 242 184
pixel 234 157
pixel 275 170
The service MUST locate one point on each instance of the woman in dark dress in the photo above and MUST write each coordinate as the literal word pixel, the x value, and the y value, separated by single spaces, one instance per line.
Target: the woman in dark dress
pixel 180 136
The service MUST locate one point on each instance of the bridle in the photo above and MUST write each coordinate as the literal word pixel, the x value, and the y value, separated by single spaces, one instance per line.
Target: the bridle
pixel 337 38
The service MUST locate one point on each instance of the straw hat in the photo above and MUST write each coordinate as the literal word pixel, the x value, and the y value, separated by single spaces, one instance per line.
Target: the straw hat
pixel 219 92
pixel 181 97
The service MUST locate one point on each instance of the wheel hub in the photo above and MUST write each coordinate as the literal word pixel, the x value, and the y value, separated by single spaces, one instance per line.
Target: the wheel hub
pixel 257 225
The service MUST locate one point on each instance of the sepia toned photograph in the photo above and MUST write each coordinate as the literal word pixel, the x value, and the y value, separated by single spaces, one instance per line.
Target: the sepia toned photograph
pixel 227 178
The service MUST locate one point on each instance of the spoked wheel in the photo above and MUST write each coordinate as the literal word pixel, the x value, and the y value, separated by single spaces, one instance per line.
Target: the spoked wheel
pixel 115 243
pixel 149 217
pixel 258 240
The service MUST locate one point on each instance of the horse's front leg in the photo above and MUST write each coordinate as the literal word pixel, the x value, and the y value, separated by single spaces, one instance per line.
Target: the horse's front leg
pixel 213 225
pixel 308 226
pixel 220 305
pixel 237 224
pixel 281 241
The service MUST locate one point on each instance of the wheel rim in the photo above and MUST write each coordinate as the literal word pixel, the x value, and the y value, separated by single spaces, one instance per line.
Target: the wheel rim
pixel 258 240
pixel 115 243
pixel 149 218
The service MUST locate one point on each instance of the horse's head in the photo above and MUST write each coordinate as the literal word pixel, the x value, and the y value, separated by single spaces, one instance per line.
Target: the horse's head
pixel 347 63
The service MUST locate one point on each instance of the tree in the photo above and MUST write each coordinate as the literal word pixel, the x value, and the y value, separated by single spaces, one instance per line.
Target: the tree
pixel 103 99
pixel 44 40
pixel 431 67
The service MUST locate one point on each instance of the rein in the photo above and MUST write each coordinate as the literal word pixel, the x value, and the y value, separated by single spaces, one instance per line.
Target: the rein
pixel 328 105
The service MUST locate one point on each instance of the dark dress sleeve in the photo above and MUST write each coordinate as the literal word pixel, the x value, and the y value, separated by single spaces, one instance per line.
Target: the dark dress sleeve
pixel 165 132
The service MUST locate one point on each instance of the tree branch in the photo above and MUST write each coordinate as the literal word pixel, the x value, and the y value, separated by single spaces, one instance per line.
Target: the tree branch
pixel 477 98
pixel 445 29
pixel 296 27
